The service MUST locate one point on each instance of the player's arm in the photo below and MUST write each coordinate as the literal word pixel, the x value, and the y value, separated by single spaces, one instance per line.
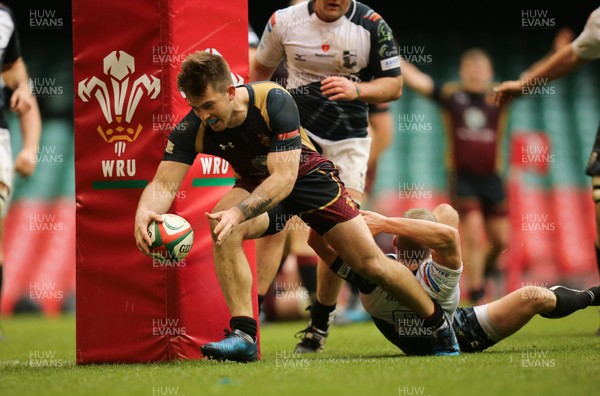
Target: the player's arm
pixel 260 72
pixel 31 129
pixel 564 60
pixel 417 80
pixel 17 79
pixel 269 53
pixel 441 238
pixel 157 198
pixel 560 63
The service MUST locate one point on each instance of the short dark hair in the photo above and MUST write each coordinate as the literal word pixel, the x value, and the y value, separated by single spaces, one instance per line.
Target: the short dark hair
pixel 200 69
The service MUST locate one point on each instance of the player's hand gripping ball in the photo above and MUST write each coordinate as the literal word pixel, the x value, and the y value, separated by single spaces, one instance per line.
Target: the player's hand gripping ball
pixel 172 239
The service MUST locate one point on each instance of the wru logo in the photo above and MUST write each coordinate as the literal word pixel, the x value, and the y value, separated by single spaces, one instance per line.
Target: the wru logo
pixel 119 66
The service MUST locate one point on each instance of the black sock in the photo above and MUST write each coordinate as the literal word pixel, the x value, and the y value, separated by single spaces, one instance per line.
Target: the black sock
pixel 307 267
pixel 245 324
pixel 476 295
pixel 436 319
pixel 568 301
pixel 319 315
pixel 261 298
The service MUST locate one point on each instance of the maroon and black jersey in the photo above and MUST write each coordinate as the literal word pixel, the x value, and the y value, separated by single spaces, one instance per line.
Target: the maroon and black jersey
pixel 475 128
pixel 271 125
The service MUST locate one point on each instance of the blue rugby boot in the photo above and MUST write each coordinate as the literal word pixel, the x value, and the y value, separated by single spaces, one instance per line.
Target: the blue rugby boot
pixel 236 346
pixel 443 341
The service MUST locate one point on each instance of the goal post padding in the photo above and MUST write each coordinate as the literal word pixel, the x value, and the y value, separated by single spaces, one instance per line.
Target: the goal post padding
pixel 131 308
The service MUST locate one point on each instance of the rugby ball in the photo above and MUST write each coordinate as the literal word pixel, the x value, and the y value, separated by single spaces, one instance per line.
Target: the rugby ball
pixel 172 239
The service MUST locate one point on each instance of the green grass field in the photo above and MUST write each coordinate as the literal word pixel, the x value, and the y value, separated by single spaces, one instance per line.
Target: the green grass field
pixel 547 357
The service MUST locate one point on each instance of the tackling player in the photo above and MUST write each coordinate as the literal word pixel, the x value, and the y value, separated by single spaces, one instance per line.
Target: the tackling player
pixel 431 250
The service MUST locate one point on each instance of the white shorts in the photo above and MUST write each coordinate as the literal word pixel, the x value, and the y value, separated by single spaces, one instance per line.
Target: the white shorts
pixel 350 156
pixel 6 166
pixel 483 317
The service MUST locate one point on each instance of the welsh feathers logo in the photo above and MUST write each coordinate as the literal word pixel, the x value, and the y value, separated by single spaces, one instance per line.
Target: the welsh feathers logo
pixel 119 94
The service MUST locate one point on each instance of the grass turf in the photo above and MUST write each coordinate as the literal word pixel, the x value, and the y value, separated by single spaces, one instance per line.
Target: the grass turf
pixel 547 357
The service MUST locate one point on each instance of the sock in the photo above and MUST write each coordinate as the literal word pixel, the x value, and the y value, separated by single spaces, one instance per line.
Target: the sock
pixel 319 315
pixel 307 267
pixel 436 319
pixel 245 324
pixel 476 295
pixel 261 298
pixel 568 301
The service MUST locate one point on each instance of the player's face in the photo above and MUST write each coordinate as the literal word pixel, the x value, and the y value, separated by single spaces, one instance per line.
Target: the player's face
pixel 214 108
pixel 476 74
pixel 331 10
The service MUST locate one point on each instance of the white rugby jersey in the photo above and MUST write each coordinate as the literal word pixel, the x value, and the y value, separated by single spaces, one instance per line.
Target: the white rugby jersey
pixel 587 44
pixel 439 282
pixel 359 45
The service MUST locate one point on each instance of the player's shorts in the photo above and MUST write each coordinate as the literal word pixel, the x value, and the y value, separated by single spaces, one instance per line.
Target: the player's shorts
pixel 350 156
pixel 469 325
pixel 479 192
pixel 318 198
pixel 593 165
pixel 6 166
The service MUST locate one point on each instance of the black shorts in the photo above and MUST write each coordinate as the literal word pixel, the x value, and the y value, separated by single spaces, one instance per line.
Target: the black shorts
pixel 469 333
pixel 487 190
pixel 318 198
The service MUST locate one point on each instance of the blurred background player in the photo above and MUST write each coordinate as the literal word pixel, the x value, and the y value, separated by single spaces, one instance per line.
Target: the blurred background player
pixel 566 59
pixel 473 125
pixel 24 105
pixel 339 55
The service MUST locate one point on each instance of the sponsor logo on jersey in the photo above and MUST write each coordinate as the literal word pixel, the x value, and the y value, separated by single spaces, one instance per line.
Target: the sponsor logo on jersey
pixel 385 51
pixel 325 47
pixel 288 135
pixel 271 22
pixel 384 33
pixel 390 63
pixel 299 57
pixel 349 57
pixel 372 16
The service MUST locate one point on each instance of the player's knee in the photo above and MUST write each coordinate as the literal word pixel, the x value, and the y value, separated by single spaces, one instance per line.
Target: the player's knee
pixel 538 299
pixel 370 267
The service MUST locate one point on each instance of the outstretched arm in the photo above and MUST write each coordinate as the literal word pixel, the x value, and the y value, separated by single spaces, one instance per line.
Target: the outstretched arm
pixel 561 61
pixel 417 80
